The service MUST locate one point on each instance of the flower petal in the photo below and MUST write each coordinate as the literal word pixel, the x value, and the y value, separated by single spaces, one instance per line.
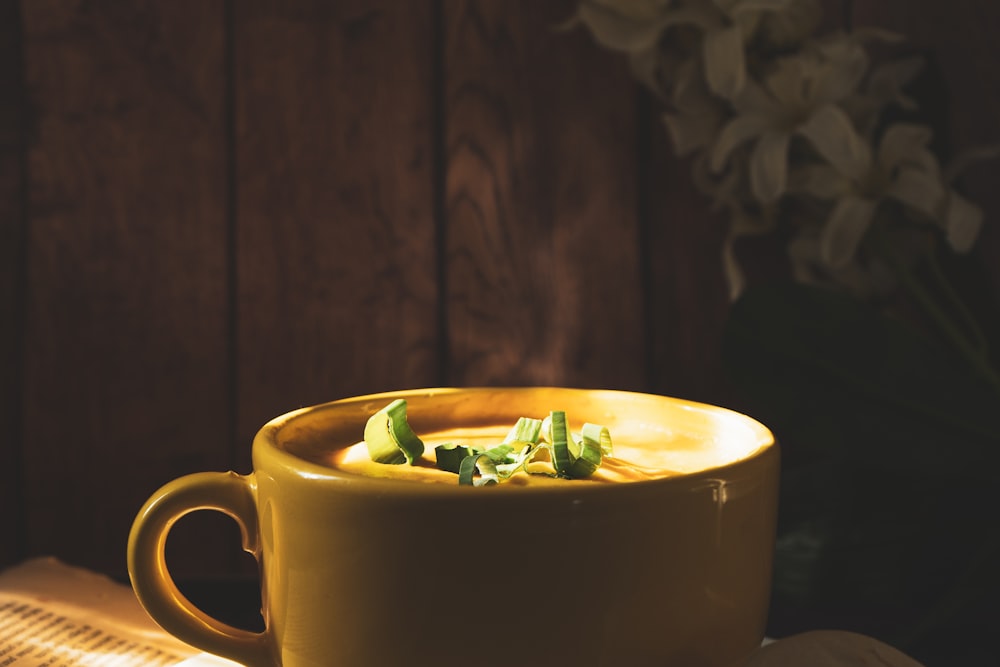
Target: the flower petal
pixel 736 132
pixel 617 31
pixel 725 5
pixel 689 132
pixel 819 180
pixel 735 278
pixel 725 69
pixel 967 158
pixel 724 190
pixel 645 67
pixel 803 255
pixel 699 15
pixel 754 98
pixel 784 29
pixel 741 225
pixel 844 65
pixel 886 81
pixel 962 222
pixel 832 134
pixel 919 190
pixel 769 166
pixel 903 142
pixel 790 80
pixel 691 94
pixel 847 225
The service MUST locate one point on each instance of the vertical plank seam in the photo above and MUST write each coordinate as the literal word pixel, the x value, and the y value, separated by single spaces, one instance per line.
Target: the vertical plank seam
pixel 20 289
pixel 232 254
pixel 439 187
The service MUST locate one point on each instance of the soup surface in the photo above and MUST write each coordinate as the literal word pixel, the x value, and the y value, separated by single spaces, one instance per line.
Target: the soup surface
pixel 652 436
pixel 630 463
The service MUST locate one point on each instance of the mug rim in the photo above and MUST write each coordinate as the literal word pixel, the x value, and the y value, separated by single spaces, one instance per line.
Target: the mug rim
pixel 266 440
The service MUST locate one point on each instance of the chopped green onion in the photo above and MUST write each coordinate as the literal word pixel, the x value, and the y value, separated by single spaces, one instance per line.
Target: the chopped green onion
pixel 449 456
pixel 559 437
pixel 573 456
pixel 587 458
pixel 593 444
pixel 389 437
pixel 500 453
pixel 600 434
pixel 516 462
pixel 525 430
pixel 478 463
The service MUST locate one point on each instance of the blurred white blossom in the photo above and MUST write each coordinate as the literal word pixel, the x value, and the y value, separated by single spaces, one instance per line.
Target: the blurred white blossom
pixel 726 28
pixel 799 97
pixel 768 111
pixel 625 25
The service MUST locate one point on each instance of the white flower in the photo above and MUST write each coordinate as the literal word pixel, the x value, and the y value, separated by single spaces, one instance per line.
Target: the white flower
pixel 764 110
pixel 786 29
pixel 725 39
pixel 883 87
pixel 799 98
pixel 869 279
pixel 624 25
pixel 961 220
pixel 635 27
pixel 697 116
pixel 741 224
pixel 903 170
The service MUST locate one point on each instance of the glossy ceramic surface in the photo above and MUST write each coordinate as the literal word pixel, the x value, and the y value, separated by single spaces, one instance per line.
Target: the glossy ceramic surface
pixel 381 573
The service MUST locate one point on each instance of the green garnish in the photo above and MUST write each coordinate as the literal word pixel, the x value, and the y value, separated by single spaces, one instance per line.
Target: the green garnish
pixel 562 458
pixel 525 430
pixel 484 465
pixel 390 438
pixel 600 434
pixel 573 456
pixel 588 458
pixel 450 456
pixel 594 445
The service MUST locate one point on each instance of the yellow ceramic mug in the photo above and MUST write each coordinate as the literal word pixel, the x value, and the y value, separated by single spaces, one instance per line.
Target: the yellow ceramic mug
pixel 365 572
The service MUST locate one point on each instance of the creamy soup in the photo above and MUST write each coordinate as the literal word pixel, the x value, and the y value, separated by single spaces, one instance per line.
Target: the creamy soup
pixel 630 462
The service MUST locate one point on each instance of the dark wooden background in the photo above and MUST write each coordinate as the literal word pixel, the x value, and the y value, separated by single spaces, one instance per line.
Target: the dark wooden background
pixel 215 211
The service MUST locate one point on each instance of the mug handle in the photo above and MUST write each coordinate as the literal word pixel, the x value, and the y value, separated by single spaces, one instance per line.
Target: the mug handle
pixel 225 492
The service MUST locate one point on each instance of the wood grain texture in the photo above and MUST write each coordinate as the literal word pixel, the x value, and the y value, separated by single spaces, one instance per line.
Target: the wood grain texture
pixel 542 255
pixel 336 236
pixel 125 378
pixel 12 233
pixel 688 295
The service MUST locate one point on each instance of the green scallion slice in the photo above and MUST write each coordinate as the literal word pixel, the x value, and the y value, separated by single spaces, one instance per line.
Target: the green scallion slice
pixel 389 437
pixel 559 439
pixel 516 461
pixel 449 456
pixel 482 464
pixel 501 453
pixel 587 458
pixel 525 430
pixel 600 434
pixel 390 440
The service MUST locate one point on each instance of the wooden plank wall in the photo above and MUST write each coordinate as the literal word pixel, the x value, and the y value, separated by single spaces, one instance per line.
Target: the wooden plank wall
pixel 212 212
pixel 12 289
